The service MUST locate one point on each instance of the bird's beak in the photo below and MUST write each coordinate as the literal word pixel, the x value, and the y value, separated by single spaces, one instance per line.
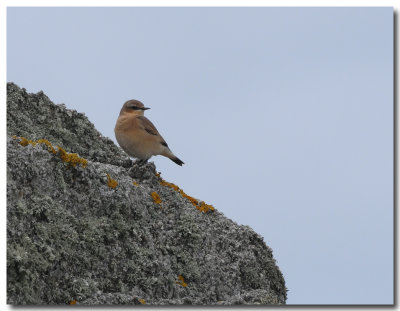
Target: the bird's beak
pixel 145 108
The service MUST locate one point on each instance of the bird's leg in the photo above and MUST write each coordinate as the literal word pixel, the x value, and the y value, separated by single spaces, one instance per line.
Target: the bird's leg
pixel 144 161
pixel 140 162
pixel 137 162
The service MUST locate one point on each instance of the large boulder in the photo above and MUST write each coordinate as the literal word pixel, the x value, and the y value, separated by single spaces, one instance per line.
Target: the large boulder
pixel 87 226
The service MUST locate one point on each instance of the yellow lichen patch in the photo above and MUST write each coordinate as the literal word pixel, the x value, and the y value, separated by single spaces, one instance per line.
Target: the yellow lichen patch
pixel 181 281
pixel 50 147
pixel 112 183
pixel 71 158
pixel 72 302
pixel 191 199
pixel 135 183
pixel 205 207
pixel 200 206
pixel 142 301
pixel 156 197
pixel 169 184
pixel 25 142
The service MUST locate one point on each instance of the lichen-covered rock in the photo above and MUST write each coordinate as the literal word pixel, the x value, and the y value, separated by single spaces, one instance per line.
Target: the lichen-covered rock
pixel 95 233
pixel 34 116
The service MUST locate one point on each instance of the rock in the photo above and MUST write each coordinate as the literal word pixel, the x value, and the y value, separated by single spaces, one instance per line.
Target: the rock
pixel 34 116
pixel 87 229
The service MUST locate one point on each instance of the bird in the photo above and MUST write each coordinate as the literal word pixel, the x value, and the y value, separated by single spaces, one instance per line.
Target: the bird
pixel 138 137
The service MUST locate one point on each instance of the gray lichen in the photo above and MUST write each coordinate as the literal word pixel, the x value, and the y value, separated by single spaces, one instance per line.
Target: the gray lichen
pixel 34 116
pixel 73 238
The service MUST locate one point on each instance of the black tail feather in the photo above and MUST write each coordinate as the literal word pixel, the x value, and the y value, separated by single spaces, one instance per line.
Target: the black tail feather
pixel 177 161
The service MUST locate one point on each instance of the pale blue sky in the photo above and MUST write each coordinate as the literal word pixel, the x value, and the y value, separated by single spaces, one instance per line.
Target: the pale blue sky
pixel 283 116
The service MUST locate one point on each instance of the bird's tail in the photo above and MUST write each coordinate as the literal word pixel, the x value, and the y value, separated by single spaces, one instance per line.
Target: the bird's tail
pixel 177 160
pixel 168 153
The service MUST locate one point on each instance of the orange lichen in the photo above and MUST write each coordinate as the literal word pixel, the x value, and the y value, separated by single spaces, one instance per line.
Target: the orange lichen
pixel 142 301
pixel 112 183
pixel 191 199
pixel 25 142
pixel 205 207
pixel 201 206
pixel 71 158
pixel 156 197
pixel 50 147
pixel 169 184
pixel 135 183
pixel 181 281
pixel 72 302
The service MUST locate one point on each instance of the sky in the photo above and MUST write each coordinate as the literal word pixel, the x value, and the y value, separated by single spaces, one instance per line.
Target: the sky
pixel 283 117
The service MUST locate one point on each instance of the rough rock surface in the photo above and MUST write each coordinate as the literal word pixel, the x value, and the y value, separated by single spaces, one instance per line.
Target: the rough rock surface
pixel 73 238
pixel 34 116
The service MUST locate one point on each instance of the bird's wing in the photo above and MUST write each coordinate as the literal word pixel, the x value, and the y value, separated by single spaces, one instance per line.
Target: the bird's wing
pixel 149 127
pixel 146 125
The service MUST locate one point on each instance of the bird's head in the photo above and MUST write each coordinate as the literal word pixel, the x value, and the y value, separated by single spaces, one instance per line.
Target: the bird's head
pixel 133 106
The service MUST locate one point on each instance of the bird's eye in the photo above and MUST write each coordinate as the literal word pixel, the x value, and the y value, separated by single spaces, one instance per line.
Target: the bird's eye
pixel 134 108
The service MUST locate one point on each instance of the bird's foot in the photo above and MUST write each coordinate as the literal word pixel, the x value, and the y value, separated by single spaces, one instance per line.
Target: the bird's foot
pixel 140 162
pixel 143 170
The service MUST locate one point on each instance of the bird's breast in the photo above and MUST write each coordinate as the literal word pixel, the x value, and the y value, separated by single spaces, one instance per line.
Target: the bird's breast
pixel 127 135
pixel 135 141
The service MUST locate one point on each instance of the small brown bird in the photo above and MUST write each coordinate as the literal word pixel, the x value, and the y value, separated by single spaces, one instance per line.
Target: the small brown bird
pixel 138 136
